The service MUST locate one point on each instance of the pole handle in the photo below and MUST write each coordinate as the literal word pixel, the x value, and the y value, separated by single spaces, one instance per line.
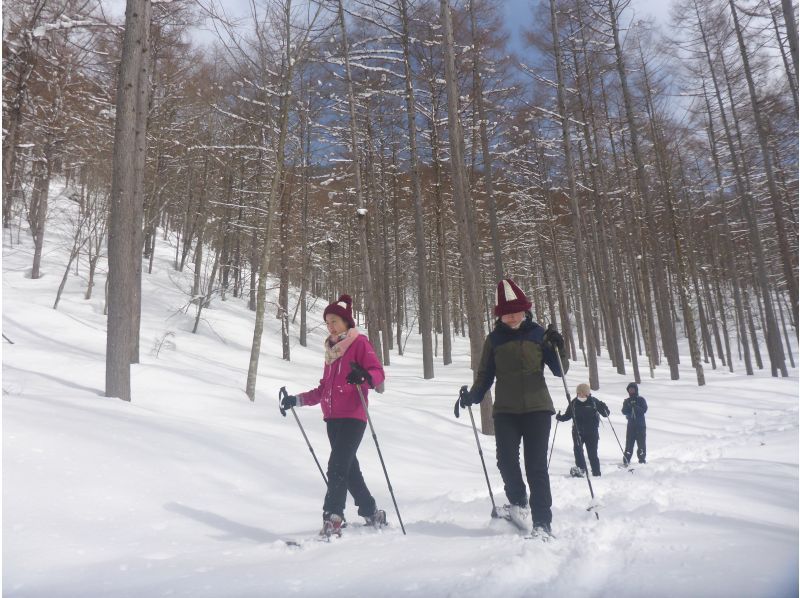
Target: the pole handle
pixel 462 391
pixel 281 395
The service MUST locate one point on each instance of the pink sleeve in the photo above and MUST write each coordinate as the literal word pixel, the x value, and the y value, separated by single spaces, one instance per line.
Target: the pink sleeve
pixel 313 396
pixel 368 359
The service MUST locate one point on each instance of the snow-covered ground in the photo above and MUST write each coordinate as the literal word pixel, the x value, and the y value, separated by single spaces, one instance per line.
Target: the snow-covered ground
pixel 191 489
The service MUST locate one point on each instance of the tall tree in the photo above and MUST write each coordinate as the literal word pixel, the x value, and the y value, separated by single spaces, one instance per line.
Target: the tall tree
pixel 123 223
pixel 470 263
pixel 425 321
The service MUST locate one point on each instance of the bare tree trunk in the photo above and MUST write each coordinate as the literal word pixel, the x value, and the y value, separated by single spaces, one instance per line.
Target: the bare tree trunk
pixel 740 188
pixel 776 355
pixel 681 260
pixel 583 288
pixel 469 260
pixel 425 321
pixel 139 162
pixel 283 293
pixel 77 244
pixel 790 76
pixel 791 30
pixel 607 281
pixel 488 178
pixel 398 270
pixel 641 182
pixel 122 226
pixel 277 177
pixel 441 238
pixel 290 59
pixel 13 112
pixel 374 251
pixel 371 307
pixel 204 300
pixel 305 145
pixel 39 207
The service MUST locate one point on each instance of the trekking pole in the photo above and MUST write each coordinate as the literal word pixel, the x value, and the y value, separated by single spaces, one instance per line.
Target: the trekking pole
pixel 281 394
pixel 617 437
pixel 461 393
pixel 552 445
pixel 380 456
pixel 577 431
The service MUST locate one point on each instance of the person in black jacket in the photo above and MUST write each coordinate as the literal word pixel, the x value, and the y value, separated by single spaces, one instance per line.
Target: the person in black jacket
pixel 585 411
pixel 634 408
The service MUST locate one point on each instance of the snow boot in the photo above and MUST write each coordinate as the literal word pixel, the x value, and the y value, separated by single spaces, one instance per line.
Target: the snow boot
pixel 519 515
pixel 576 472
pixel 377 519
pixel 541 530
pixel 331 525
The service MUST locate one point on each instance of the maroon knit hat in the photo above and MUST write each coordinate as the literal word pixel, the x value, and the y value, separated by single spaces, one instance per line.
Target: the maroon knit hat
pixel 510 299
pixel 342 308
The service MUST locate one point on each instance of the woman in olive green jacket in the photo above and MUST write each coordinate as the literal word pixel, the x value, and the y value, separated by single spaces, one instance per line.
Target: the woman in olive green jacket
pixel 515 354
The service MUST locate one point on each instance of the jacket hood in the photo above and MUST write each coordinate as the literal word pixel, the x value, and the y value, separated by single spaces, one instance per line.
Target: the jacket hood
pixel 634 386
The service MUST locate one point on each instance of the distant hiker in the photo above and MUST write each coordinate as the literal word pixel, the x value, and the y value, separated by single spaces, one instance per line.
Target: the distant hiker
pixel 585 411
pixel 515 354
pixel 344 414
pixel 634 408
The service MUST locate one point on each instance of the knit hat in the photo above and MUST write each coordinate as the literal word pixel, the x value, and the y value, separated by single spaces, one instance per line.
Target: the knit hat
pixel 510 299
pixel 342 308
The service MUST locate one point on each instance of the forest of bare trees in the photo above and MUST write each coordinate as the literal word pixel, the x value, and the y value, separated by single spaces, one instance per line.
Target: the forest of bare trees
pixel 640 180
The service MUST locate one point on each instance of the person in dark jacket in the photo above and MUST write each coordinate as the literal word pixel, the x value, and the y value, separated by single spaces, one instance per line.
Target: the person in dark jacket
pixel 634 408
pixel 515 354
pixel 585 411
pixel 350 360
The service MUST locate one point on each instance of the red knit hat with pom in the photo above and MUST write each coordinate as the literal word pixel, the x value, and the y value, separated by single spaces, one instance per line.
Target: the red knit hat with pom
pixel 510 299
pixel 342 308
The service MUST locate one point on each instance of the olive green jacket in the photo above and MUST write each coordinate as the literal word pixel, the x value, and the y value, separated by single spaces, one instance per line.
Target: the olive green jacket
pixel 516 360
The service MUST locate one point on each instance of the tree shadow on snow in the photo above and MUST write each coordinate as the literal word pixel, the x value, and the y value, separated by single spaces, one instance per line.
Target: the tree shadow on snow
pixel 231 529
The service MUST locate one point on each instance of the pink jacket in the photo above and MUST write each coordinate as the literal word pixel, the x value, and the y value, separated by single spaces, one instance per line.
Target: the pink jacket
pixel 338 398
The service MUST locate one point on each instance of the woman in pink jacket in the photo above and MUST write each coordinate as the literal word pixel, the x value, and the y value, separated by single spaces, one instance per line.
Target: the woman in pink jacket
pixel 350 360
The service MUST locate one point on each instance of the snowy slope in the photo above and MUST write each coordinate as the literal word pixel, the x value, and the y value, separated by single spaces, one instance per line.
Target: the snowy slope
pixel 191 489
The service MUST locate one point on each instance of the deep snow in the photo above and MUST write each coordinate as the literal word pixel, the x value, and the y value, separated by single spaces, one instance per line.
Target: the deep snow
pixel 191 489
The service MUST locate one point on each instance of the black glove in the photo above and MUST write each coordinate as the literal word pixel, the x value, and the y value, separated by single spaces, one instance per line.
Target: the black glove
pixel 465 398
pixel 554 340
pixel 604 411
pixel 359 375
pixel 559 417
pixel 288 401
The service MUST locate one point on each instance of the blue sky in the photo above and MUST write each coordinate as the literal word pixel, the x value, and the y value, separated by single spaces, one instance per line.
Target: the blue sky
pixel 517 14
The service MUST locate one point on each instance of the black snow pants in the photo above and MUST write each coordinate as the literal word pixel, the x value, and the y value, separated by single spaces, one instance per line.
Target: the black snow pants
pixel 533 429
pixel 344 473
pixel 590 439
pixel 637 434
